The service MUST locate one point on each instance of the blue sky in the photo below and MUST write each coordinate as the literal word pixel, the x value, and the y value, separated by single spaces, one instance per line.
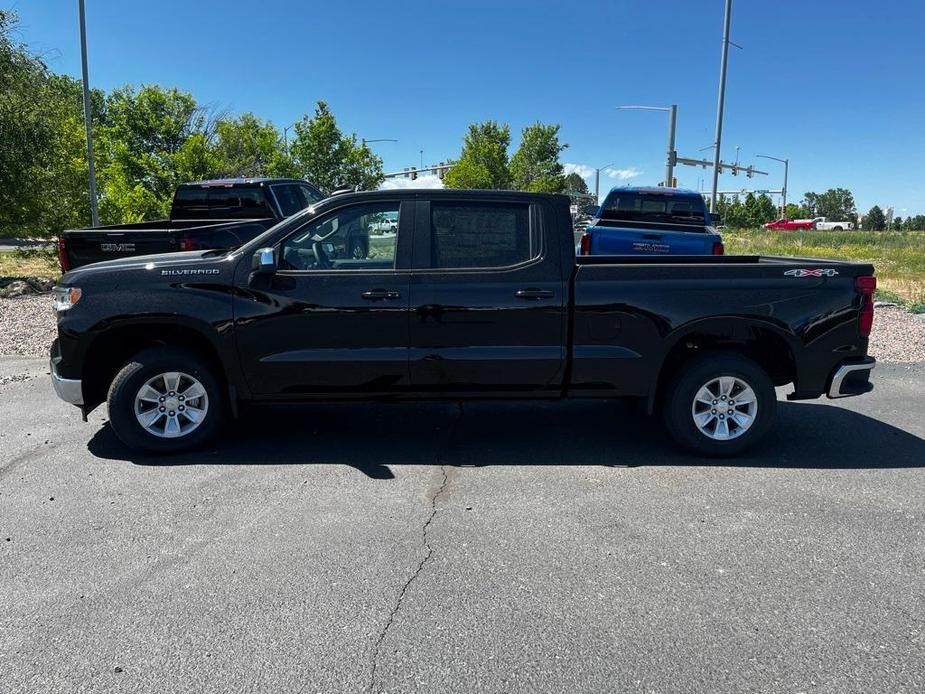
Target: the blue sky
pixel 835 85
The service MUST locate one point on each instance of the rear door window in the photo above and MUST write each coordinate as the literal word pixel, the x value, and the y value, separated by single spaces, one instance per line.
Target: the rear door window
pixel 480 235
pixel 290 199
pixel 310 194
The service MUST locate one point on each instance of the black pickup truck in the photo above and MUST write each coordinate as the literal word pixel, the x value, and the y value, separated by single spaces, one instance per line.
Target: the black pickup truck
pixel 223 213
pixel 479 294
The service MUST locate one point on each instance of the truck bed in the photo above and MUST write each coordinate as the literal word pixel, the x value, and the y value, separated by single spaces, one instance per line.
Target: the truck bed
pixel 84 246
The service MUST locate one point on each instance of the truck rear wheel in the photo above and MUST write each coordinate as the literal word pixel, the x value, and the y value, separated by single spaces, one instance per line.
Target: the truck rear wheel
pixel 719 404
pixel 165 400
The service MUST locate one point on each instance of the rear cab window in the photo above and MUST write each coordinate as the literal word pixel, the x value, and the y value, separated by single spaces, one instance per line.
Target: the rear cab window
pixel 220 202
pixel 656 208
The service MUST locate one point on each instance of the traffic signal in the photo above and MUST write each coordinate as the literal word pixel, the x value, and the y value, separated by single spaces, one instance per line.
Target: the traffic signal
pixel 749 172
pixel 414 173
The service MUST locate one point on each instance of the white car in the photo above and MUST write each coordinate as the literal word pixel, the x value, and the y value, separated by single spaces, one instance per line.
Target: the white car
pixel 823 224
pixel 388 224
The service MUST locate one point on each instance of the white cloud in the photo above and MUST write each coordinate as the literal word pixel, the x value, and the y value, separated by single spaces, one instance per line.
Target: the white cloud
pixel 582 170
pixel 623 174
pixel 428 181
pixel 587 172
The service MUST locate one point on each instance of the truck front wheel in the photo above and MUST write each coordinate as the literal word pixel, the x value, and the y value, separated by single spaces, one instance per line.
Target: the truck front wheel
pixel 719 404
pixel 165 400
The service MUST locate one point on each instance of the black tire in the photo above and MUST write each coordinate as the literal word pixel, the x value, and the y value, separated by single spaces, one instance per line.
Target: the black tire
pixel 137 372
pixel 681 392
pixel 837 229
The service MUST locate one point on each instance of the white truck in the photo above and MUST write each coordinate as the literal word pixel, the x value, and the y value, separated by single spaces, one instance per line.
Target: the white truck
pixel 823 224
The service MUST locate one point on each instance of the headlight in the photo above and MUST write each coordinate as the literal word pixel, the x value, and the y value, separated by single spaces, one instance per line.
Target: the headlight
pixel 66 297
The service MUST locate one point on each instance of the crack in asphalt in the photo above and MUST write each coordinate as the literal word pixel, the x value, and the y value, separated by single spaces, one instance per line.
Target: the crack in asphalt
pixel 428 552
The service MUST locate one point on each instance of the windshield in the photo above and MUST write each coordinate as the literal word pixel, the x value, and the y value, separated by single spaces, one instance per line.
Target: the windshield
pixel 220 202
pixel 631 206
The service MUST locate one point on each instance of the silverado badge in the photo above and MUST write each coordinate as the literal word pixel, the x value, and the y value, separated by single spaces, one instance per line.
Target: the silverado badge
pixel 190 271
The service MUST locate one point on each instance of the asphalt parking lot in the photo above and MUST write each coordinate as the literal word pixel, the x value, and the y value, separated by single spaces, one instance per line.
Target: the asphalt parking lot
pixel 489 548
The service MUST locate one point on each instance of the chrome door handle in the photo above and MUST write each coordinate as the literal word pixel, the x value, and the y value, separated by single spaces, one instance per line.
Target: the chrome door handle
pixel 380 294
pixel 534 294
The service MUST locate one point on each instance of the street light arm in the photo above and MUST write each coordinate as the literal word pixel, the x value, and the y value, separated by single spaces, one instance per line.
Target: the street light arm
pixel 643 108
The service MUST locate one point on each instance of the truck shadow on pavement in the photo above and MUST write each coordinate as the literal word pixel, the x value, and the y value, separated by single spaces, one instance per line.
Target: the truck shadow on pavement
pixel 372 437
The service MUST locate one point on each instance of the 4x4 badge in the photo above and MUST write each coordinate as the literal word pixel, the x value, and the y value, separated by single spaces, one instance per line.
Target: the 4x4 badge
pixel 818 272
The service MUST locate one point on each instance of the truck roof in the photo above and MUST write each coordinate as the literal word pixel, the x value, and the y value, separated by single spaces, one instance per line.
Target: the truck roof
pixel 657 190
pixel 230 182
pixel 452 193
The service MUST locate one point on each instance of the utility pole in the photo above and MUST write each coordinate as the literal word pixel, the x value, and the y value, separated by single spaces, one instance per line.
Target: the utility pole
pixel 786 163
pixel 597 180
pixel 672 118
pixel 721 102
pixel 669 167
pixel 94 213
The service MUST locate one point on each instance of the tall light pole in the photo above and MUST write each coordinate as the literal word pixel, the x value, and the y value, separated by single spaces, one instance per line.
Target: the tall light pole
pixel 721 102
pixel 597 181
pixel 783 190
pixel 91 169
pixel 672 118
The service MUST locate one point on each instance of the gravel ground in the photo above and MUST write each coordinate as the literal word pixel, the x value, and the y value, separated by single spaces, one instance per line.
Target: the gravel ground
pixel 27 327
pixel 898 336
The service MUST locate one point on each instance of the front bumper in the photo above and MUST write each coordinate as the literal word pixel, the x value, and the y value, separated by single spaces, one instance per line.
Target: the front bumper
pixel 852 379
pixel 68 389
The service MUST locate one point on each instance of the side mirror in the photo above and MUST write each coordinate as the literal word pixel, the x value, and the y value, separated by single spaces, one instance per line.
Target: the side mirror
pixel 593 210
pixel 264 261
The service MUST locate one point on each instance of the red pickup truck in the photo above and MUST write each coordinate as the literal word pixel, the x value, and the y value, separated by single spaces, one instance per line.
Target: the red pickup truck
pixel 784 224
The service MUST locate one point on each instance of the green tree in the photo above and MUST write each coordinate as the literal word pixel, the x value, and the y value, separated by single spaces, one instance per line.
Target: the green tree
pixel 897 223
pixel 764 210
pixel 153 139
pixel 327 158
pixel 836 204
pixel 795 211
pixel 875 219
pixel 248 146
pixel 916 223
pixel 575 184
pixel 483 162
pixel 535 165
pixel 43 166
pixel 733 212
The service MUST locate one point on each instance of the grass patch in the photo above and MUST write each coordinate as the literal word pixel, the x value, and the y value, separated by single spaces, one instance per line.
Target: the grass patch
pixel 25 263
pixel 898 256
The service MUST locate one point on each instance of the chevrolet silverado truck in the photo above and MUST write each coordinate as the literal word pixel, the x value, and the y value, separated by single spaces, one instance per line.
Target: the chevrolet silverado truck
pixel 208 214
pixel 651 221
pixel 479 294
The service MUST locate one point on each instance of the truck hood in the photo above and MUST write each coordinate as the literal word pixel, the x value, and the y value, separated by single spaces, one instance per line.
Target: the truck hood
pixel 189 264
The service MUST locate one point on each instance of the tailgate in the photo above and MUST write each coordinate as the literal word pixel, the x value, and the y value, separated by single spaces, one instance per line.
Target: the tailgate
pixel 634 241
pixel 85 247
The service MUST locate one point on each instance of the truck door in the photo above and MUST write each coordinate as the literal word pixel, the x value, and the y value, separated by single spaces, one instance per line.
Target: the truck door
pixel 327 322
pixel 488 299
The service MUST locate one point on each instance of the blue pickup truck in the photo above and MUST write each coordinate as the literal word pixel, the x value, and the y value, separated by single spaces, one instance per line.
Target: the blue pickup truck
pixel 651 221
